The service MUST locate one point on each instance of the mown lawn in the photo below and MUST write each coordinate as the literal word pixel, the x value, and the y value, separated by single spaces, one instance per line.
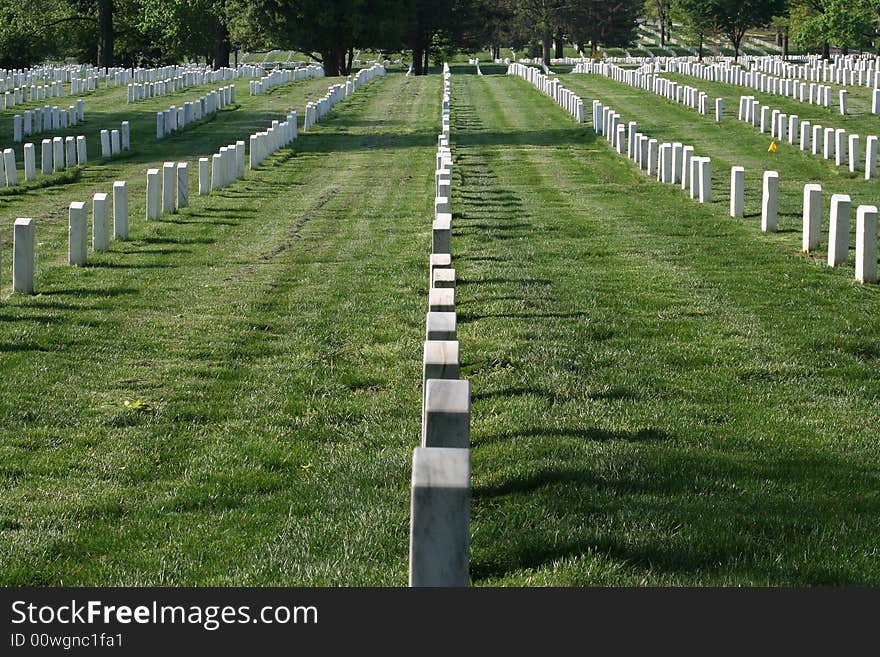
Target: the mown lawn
pixel 230 397
pixel 662 395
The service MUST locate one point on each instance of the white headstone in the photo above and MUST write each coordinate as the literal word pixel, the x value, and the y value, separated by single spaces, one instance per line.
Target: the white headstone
pixel 812 217
pixel 737 191
pixel 169 183
pixel 769 201
pixel 439 546
pixel 30 165
pixel 871 157
pixel 866 243
pixel 46 157
pixel 120 210
pixel 10 167
pixel 182 185
pixel 154 194
pixel 100 223
pixel 77 243
pixel 838 230
pixel 81 154
pixel 204 177
pixel 23 256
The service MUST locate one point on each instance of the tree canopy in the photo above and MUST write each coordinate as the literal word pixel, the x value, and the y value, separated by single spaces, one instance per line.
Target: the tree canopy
pixel 150 32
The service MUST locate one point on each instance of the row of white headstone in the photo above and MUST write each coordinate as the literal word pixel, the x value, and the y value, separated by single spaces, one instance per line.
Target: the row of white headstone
pixel 77 231
pixel 46 118
pixel 143 90
pixel 57 154
pixel 674 163
pixel 227 166
pixel 80 74
pixel 315 111
pixel 113 142
pixel 176 118
pixel 283 76
pixel 24 242
pixel 567 100
pixel 805 92
pixel 280 134
pixel 439 548
pixel 31 94
pixel 169 192
pixel 647 80
pixel 830 143
pixel 838 225
pixel 845 70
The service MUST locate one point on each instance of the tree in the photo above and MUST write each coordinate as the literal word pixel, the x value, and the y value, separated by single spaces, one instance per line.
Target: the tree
pixel 735 17
pixel 660 11
pixel 602 22
pixel 187 29
pixel 329 30
pixel 99 15
pixel 845 24
pixel 23 41
pixel 544 16
pixel 697 18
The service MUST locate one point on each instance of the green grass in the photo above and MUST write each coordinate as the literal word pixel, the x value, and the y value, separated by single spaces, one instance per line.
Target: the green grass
pixel 735 143
pixel 661 395
pixel 231 396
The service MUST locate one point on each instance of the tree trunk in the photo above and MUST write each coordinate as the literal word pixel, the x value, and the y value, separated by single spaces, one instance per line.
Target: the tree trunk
pixel 427 65
pixel 826 50
pixel 785 46
pixel 222 48
pixel 417 59
pixel 545 46
pixel 560 43
pixel 331 63
pixel 350 60
pixel 105 33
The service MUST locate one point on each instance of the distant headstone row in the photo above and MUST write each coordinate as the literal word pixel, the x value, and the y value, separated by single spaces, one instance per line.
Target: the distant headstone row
pixel 227 166
pixel 337 93
pixel 170 192
pixel 283 76
pixel 830 143
pixel 144 90
pixel 113 142
pixel 568 100
pixel 57 154
pixel 176 118
pixel 439 549
pixel 45 119
pixel 77 232
pixel 280 134
pixel 32 94
pixel 643 79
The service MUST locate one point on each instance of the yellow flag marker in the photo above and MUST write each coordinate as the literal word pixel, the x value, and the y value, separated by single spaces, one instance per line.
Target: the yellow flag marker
pixel 772 148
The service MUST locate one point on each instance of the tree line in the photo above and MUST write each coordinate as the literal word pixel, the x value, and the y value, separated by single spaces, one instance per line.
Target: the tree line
pixel 152 32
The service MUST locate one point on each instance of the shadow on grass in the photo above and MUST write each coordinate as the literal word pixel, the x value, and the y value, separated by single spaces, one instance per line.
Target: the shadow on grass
pixel 89 292
pixel 21 347
pixel 671 510
pixel 467 318
pixel 126 265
